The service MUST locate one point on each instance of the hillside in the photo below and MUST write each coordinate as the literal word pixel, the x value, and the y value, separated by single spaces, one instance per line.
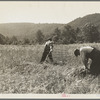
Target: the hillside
pixel 29 29
pixel 92 18
pixel 26 29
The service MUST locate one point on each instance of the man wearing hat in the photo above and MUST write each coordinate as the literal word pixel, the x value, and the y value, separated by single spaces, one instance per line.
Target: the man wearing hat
pixel 47 50
pixel 86 53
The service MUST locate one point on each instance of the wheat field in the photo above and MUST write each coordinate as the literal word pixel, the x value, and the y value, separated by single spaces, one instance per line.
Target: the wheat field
pixel 21 72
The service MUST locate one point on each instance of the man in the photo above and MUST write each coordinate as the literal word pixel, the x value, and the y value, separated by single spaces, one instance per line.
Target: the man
pixel 47 50
pixel 87 53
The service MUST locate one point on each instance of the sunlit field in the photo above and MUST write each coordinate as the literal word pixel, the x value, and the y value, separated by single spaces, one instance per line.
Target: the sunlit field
pixel 21 72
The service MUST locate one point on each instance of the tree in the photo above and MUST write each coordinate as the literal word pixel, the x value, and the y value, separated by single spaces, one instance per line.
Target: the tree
pixel 26 41
pixel 79 35
pixel 91 33
pixel 57 35
pixel 14 40
pixel 7 40
pixel 31 42
pixel 2 39
pixel 68 35
pixel 39 37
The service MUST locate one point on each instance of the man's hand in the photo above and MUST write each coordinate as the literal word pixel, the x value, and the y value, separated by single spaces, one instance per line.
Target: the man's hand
pixel 51 50
pixel 88 64
pixel 87 68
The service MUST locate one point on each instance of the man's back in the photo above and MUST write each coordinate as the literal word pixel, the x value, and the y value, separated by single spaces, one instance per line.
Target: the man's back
pixel 86 49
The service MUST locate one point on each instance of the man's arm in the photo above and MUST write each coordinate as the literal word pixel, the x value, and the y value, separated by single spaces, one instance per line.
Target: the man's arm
pixel 51 48
pixel 85 60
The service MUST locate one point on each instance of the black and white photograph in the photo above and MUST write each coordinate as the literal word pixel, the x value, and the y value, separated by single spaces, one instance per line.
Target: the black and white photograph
pixel 50 48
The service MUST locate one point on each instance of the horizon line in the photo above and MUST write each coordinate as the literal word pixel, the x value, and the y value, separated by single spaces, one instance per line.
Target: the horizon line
pixel 33 23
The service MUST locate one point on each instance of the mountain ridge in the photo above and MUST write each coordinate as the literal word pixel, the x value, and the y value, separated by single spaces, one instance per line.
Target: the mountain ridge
pixel 29 29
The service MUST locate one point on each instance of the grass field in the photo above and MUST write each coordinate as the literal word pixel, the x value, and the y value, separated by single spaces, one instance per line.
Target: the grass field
pixel 21 72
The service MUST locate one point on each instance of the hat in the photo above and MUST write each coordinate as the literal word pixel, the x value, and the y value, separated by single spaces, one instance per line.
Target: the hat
pixel 50 38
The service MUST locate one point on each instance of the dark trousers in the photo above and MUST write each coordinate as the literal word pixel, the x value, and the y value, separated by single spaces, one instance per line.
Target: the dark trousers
pixel 46 53
pixel 95 65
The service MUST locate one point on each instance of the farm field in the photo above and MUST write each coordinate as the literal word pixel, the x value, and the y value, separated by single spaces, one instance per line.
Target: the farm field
pixel 21 72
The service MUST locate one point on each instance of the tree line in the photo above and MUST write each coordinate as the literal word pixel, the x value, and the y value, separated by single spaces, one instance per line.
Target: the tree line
pixel 89 33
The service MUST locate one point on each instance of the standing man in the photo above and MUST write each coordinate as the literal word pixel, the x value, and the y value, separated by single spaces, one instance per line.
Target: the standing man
pixel 87 53
pixel 47 50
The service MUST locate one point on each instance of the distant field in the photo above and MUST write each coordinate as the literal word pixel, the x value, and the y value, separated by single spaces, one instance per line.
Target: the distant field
pixel 20 71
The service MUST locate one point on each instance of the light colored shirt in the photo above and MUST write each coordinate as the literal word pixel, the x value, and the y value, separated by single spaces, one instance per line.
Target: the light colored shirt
pixel 86 49
pixel 50 43
pixel 83 51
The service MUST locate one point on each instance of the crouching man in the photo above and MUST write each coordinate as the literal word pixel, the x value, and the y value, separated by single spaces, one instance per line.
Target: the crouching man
pixel 86 53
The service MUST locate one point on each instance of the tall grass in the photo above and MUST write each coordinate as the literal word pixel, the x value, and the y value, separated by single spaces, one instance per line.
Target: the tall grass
pixel 21 72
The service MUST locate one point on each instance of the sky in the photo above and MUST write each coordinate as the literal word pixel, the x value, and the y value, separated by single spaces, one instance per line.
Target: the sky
pixel 46 11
